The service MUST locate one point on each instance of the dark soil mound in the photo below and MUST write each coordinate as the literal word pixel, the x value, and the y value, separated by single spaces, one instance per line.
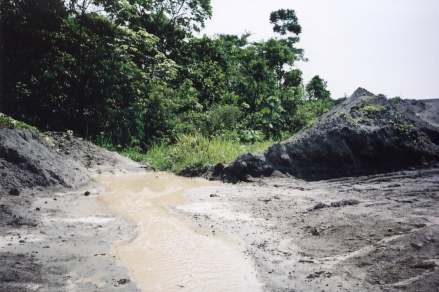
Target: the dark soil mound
pixel 91 156
pixel 365 134
pixel 29 159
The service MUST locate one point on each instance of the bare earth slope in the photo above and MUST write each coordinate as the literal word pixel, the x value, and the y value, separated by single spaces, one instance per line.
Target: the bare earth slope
pixel 363 135
pixel 29 159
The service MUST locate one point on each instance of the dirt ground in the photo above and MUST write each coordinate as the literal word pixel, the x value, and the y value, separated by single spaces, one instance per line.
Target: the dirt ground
pixel 58 236
pixel 60 241
pixel 61 231
pixel 371 233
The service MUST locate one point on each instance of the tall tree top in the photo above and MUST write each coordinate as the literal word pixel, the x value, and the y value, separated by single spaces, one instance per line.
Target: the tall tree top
pixel 285 21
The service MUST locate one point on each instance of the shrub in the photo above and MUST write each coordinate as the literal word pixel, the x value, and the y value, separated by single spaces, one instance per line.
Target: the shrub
pixel 308 112
pixel 373 108
pixel 194 151
pixel 222 118
pixel 10 123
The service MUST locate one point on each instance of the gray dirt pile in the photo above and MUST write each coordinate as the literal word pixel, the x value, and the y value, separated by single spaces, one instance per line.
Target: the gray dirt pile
pixel 363 135
pixel 92 157
pixel 30 159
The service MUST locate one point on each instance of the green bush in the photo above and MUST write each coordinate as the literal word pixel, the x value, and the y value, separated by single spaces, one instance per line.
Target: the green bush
pixel 194 151
pixel 10 123
pixel 373 108
pixel 308 112
pixel 223 118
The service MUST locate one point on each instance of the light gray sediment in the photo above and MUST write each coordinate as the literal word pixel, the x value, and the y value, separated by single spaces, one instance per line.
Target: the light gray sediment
pixel 374 233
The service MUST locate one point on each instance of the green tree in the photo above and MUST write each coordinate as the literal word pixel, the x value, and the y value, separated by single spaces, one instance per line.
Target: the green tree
pixel 317 89
pixel 26 29
pixel 133 72
pixel 285 21
pixel 85 73
pixel 170 20
pixel 293 78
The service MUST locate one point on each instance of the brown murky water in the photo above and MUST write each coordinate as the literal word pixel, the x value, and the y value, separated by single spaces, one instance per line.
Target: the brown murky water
pixel 168 254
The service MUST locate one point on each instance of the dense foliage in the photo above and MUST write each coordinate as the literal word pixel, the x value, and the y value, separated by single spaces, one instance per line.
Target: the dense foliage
pixel 131 72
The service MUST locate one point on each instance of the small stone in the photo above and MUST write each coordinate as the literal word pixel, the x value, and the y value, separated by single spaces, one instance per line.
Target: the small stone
pixel 427 265
pixel 319 205
pixel 315 232
pixel 14 192
pixel 123 281
pixel 415 245
pixel 266 201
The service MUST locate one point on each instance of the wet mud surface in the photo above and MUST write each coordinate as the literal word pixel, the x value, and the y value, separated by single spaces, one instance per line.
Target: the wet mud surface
pixel 158 232
pixel 169 253
pixel 371 233
pixel 60 241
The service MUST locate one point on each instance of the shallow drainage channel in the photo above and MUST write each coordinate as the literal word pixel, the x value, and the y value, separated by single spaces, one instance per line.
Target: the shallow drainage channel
pixel 167 253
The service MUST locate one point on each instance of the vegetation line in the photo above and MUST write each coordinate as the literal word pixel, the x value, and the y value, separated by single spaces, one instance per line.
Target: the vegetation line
pixel 194 151
pixel 135 74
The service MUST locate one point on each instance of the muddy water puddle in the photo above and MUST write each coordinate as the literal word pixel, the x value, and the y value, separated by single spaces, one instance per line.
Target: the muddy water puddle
pixel 168 253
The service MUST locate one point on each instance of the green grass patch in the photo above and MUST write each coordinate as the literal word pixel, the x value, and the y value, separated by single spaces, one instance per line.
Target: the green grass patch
pixel 373 108
pixel 194 151
pixel 10 123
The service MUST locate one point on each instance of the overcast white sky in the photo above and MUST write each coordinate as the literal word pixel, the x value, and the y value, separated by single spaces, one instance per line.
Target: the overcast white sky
pixel 386 46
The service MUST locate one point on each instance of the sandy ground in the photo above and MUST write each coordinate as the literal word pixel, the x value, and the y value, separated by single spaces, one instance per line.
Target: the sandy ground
pixel 372 233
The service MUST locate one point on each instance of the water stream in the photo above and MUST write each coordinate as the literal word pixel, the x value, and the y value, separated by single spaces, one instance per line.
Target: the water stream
pixel 168 253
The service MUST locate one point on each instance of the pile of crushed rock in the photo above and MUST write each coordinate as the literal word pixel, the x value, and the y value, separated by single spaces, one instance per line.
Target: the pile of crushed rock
pixel 31 159
pixel 363 135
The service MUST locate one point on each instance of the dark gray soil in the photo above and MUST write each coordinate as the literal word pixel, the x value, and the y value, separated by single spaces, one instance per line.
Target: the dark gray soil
pixel 29 159
pixel 365 134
